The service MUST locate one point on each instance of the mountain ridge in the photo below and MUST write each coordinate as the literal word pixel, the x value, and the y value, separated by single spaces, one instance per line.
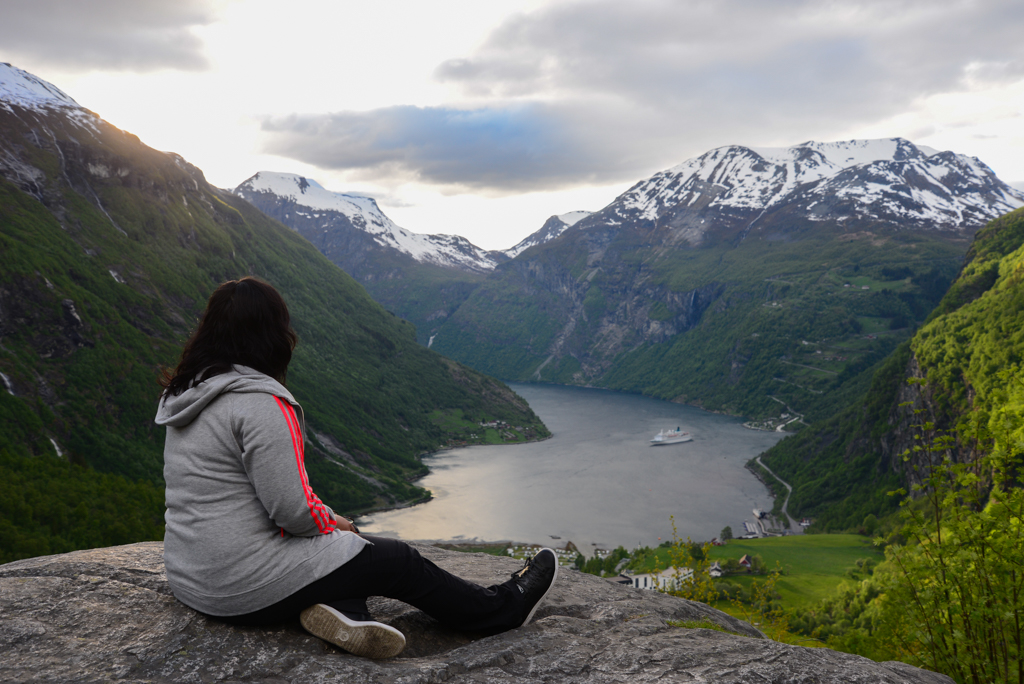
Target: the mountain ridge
pixel 421 278
pixel 362 212
pixel 858 182
pixel 667 289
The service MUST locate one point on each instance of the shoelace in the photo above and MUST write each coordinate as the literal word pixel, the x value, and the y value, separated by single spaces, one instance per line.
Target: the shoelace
pixel 520 573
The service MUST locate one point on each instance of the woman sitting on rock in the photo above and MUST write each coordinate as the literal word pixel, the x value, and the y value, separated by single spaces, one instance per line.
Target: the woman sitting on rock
pixel 247 540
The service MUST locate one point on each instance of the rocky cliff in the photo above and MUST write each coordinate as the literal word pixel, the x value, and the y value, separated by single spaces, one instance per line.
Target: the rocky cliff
pixel 108 614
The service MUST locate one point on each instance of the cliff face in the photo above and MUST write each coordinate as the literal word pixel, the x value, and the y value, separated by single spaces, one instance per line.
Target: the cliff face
pixel 108 614
pixel 917 403
pixel 598 303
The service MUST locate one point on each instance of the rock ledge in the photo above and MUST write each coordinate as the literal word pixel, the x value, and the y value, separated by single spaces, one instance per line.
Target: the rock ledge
pixel 108 614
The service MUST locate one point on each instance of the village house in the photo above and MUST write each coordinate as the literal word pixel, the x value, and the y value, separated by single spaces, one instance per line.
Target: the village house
pixel 666 580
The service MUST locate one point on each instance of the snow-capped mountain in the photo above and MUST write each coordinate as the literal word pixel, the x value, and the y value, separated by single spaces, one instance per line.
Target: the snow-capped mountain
pixel 22 90
pixel 48 113
pixel 857 183
pixel 552 228
pixel 296 200
pixel 19 87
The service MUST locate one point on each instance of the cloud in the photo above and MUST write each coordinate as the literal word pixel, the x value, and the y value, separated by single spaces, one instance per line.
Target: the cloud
pixel 111 35
pixel 781 54
pixel 515 147
pixel 591 90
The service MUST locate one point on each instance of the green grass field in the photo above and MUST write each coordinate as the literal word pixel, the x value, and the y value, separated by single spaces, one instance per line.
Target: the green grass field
pixel 461 430
pixel 813 565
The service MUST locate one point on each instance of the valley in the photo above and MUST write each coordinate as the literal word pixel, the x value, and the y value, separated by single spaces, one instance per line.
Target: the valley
pixel 864 295
pixel 109 250
pixel 725 283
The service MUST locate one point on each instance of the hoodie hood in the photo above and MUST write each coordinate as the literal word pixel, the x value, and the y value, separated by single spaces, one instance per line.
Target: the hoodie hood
pixel 181 410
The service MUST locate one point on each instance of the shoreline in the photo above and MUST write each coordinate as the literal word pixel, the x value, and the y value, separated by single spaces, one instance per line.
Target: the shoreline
pixel 676 400
pixel 416 502
pixel 466 446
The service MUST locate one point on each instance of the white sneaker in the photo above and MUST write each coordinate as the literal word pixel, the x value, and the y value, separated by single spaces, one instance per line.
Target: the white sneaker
pixel 367 639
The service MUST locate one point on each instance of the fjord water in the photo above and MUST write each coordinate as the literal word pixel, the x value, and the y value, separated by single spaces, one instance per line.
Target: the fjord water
pixel 597 481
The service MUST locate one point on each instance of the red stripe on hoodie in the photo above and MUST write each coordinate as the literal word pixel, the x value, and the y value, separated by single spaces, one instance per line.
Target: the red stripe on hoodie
pixel 323 520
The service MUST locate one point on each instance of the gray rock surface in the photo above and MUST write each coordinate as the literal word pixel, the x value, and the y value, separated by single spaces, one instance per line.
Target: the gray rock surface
pixel 108 614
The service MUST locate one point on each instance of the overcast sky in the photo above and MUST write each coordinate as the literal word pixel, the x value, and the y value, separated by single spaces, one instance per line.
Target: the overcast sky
pixel 484 118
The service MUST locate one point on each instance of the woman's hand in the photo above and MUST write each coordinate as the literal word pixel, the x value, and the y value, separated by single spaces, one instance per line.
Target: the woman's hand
pixel 344 524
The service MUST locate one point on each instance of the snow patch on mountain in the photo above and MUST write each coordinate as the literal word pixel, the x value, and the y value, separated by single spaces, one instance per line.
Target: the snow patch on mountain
pixel 890 180
pixel 573 217
pixel 313 200
pixel 19 88
pixel 552 228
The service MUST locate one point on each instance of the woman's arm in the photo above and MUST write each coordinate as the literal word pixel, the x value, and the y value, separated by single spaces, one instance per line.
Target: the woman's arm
pixel 274 459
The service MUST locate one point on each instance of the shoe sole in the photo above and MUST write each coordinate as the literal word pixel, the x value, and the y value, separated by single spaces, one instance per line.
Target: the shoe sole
pixel 366 639
pixel 546 591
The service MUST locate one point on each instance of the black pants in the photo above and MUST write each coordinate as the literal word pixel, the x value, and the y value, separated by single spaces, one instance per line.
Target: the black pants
pixel 390 568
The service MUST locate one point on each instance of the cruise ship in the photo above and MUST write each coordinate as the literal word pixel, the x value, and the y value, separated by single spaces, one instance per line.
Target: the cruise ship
pixel 671 437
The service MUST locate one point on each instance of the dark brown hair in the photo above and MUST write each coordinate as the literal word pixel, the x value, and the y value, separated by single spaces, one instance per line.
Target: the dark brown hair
pixel 246 322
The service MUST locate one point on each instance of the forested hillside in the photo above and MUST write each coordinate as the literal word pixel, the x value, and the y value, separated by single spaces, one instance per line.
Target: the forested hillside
pixel 749 329
pixel 109 251
pixel 961 368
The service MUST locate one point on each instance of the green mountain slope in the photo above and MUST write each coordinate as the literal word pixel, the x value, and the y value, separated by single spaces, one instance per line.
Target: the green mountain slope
pixel 958 369
pixel 749 329
pixel 109 251
pixel 425 295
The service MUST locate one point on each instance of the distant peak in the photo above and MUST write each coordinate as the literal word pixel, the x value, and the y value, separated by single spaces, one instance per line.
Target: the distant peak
pixel 552 228
pixel 307 192
pixel 311 200
pixel 21 88
pixel 887 179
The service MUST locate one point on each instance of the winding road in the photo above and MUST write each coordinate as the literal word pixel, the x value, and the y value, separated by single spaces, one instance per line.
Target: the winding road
pixel 794 524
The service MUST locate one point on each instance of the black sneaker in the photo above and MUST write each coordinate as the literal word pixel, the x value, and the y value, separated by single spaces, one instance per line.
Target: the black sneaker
pixel 364 638
pixel 535 580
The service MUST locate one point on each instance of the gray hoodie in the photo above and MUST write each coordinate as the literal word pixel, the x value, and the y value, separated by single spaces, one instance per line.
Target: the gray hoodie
pixel 244 529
